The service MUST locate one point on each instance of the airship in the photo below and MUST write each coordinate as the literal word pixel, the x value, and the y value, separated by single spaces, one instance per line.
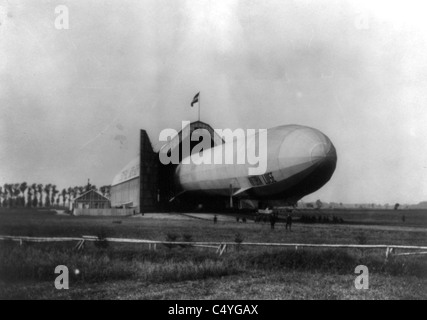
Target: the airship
pixel 299 161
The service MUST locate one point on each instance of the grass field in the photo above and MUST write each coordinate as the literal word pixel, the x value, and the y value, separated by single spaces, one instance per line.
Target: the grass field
pixel 133 272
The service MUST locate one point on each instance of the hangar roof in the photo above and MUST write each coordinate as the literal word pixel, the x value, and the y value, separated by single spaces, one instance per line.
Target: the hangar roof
pixel 132 169
pixel 185 134
pixel 129 172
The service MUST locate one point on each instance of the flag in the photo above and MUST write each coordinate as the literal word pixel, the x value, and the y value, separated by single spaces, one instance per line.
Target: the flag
pixel 195 99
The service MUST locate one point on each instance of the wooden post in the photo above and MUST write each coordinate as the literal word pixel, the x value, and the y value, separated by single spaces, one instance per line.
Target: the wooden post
pixel 77 245
pixel 81 245
pixel 388 253
pixel 224 246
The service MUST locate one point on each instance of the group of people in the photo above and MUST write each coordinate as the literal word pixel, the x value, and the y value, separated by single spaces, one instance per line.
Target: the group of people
pixel 215 219
pixel 264 218
pixel 320 219
pixel 272 218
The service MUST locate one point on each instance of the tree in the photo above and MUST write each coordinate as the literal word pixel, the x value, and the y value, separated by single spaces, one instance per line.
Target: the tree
pixel 105 190
pixel 40 191
pixel 53 192
pixel 47 192
pixel 76 192
pixel 396 206
pixel 102 190
pixel 63 193
pixel 35 199
pixel 1 196
pixel 70 192
pixel 81 190
pixel 16 193
pixel 108 191
pixel 319 204
pixel 22 188
pixel 29 197
pixel 9 189
pixel 33 192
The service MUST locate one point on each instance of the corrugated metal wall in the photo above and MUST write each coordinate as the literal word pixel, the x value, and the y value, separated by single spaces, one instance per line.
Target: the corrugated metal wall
pixel 125 192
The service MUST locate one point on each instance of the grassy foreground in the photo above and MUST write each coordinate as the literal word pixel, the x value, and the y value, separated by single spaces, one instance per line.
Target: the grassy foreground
pixel 134 272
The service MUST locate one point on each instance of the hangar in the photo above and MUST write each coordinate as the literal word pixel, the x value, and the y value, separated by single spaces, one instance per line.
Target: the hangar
pixel 145 184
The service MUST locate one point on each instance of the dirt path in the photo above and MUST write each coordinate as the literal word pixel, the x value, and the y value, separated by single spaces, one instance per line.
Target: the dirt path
pixel 372 227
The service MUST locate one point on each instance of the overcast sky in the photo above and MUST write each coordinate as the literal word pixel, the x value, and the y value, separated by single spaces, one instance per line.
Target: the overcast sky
pixel 72 101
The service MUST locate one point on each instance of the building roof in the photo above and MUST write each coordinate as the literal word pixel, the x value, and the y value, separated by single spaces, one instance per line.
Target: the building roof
pixel 132 170
pixel 95 196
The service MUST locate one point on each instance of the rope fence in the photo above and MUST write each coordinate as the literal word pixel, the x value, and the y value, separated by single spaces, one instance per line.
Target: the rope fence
pixel 220 247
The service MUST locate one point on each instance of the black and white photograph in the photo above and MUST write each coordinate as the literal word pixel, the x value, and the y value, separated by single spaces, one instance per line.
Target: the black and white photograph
pixel 213 154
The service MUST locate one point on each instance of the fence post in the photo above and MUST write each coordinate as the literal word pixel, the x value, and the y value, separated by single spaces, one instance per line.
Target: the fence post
pixel 81 245
pixel 388 253
pixel 222 248
pixel 77 245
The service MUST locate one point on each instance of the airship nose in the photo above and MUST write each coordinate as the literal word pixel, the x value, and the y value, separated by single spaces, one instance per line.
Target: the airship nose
pixel 319 151
pixel 305 145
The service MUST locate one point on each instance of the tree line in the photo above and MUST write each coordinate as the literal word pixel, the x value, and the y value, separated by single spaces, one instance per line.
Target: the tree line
pixel 39 195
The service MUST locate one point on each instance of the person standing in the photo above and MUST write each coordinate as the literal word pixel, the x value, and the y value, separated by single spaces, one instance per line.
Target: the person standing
pixel 289 222
pixel 272 221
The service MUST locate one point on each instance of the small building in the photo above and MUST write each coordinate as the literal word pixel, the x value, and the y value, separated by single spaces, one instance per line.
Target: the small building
pixel 91 200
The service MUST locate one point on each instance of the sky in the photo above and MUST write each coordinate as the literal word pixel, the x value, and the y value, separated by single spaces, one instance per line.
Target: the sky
pixel 72 100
